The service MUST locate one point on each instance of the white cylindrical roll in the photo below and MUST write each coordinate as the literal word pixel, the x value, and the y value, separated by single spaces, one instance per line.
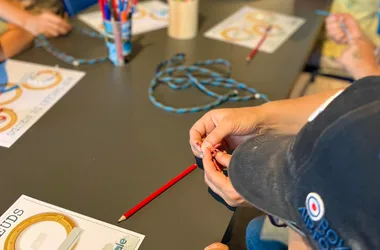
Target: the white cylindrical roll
pixel 183 19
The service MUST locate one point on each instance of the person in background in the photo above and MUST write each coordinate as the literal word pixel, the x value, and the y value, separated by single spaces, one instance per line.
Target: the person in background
pixel 21 21
pixel 327 52
pixel 359 57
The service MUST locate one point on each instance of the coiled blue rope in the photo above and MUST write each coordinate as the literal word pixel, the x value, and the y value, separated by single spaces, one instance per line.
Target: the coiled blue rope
pixel 165 75
pixel 42 42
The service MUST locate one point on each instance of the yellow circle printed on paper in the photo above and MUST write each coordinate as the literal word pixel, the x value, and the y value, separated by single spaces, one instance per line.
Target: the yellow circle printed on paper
pixel 57 80
pixel 13 118
pixel 261 17
pixel 66 222
pixel 231 34
pixel 17 94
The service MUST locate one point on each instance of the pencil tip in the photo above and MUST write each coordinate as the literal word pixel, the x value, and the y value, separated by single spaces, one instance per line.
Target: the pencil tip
pixel 122 218
pixel 248 59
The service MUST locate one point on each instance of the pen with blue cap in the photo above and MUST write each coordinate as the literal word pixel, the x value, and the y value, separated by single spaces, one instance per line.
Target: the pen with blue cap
pixel 121 7
pixel 341 23
pixel 107 12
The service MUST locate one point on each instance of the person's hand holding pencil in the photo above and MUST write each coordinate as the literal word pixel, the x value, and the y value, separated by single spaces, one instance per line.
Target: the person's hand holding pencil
pixel 358 59
pixel 342 28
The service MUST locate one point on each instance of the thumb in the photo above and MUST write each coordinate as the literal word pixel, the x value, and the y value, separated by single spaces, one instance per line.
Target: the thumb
pixel 353 26
pixel 217 135
pixel 223 158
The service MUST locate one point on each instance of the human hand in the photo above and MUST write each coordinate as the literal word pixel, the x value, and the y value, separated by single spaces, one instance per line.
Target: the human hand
pixel 296 241
pixel 336 32
pixel 48 24
pixel 230 127
pixel 217 246
pixel 359 59
pixel 217 181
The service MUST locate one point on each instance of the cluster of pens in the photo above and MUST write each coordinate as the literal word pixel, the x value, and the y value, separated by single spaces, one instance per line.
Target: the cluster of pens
pixel 117 20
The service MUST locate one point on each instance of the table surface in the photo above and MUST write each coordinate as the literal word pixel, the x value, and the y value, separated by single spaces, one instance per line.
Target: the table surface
pixel 104 147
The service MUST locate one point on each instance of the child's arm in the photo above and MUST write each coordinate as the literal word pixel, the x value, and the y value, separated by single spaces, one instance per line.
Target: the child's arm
pixel 337 34
pixel 13 41
pixel 12 14
pixel 46 23
pixel 359 59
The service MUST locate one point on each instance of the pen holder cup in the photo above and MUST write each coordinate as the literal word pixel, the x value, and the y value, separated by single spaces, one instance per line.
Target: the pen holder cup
pixel 115 32
pixel 183 19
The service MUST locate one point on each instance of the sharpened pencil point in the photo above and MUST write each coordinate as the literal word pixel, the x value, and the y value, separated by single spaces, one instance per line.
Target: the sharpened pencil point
pixel 248 59
pixel 122 218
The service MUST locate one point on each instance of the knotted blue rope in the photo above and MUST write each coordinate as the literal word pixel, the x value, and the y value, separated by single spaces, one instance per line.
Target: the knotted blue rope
pixel 165 75
pixel 42 42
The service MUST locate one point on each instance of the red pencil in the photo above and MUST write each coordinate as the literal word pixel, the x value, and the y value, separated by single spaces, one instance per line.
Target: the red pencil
pixel 254 51
pixel 114 7
pixel 157 193
pixel 101 5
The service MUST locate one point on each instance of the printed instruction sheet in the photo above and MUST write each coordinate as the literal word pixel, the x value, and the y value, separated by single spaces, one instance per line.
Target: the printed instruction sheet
pixel 30 224
pixel 247 26
pixel 27 92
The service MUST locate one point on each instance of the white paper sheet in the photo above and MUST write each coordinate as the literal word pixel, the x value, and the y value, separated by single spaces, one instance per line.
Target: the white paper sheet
pixel 39 88
pixel 30 224
pixel 151 15
pixel 246 27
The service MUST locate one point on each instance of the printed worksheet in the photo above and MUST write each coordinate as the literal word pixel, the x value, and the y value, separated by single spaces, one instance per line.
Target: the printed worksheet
pixel 30 224
pixel 248 25
pixel 27 92
pixel 149 16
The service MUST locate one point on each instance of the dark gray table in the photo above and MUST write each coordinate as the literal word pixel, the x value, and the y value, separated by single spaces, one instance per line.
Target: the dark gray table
pixel 103 147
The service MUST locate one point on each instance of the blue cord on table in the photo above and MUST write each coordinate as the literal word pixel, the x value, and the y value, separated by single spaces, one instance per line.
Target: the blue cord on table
pixel 166 70
pixel 42 42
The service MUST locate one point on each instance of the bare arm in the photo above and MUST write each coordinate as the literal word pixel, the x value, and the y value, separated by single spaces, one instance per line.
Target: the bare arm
pixel 46 23
pixel 13 14
pixel 233 126
pixel 289 116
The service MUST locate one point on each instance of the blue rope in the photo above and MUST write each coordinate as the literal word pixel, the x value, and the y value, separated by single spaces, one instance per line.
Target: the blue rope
pixel 42 42
pixel 165 75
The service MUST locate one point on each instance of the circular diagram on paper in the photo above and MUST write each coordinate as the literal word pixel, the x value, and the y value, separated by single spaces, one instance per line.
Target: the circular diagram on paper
pixel 8 118
pixel 42 80
pixel 236 34
pixel 10 96
pixel 263 17
pixel 276 30
pixel 161 15
pixel 41 231
pixel 140 13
